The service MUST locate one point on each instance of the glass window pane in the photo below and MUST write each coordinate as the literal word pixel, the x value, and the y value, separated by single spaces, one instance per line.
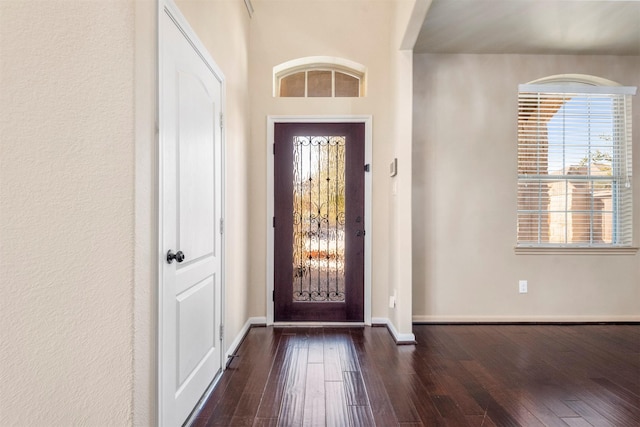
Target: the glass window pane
pixel 319 83
pixel 571 162
pixel 347 85
pixel 293 85
pixel 319 219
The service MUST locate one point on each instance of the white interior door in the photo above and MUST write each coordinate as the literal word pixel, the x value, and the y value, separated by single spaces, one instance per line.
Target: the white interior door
pixel 190 214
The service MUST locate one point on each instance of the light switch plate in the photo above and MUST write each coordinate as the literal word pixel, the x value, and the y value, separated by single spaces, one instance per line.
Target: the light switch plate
pixel 522 286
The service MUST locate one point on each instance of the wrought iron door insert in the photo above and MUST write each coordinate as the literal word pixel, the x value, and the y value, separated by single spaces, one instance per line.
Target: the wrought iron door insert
pixel 318 218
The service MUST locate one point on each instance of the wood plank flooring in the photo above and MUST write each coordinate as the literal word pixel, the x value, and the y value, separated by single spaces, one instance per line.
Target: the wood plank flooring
pixel 456 375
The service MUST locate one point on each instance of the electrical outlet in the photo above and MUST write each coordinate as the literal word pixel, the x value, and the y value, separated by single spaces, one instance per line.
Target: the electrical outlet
pixel 393 298
pixel 522 286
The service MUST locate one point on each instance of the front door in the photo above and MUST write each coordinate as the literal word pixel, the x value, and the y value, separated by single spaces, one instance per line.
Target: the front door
pixel 190 346
pixel 319 222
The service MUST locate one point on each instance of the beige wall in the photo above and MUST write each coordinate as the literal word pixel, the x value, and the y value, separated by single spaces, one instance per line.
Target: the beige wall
pixel 146 232
pixel 356 30
pixel 464 198
pixel 67 212
pixel 400 225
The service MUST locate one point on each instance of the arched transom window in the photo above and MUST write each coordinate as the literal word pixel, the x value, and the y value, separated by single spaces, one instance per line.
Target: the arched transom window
pixel 316 76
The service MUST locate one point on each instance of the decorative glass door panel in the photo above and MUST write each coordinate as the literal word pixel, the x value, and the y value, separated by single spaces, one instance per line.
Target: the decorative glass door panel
pixel 318 218
pixel 319 222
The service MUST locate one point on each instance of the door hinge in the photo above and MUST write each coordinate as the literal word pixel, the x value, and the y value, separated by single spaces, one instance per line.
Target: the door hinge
pixel 273 295
pixel 221 332
pixel 367 167
pixel 221 120
pixel 273 222
pixel 274 148
pixel 221 225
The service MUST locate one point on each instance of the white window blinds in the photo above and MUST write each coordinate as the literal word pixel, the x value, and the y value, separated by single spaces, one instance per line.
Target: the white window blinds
pixel 574 165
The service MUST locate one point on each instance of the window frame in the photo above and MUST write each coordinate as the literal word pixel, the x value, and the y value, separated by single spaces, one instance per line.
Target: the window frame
pixel 568 85
pixel 320 63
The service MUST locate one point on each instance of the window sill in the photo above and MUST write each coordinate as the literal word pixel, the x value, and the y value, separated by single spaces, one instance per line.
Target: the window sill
pixel 521 250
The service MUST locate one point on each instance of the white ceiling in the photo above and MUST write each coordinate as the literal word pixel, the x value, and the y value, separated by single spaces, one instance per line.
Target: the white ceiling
pixel 591 27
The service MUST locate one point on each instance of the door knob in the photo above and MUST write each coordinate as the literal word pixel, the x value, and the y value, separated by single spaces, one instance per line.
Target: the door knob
pixel 178 256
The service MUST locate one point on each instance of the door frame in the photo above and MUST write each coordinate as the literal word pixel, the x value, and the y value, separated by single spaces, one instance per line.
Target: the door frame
pixel 171 9
pixel 368 177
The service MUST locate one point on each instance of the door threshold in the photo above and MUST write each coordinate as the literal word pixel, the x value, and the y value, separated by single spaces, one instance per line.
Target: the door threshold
pixel 316 324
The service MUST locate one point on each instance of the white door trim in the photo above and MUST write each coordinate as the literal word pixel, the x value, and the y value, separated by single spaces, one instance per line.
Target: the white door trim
pixel 368 124
pixel 169 8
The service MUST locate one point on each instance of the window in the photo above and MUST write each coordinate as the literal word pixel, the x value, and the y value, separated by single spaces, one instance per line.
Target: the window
pixel 319 83
pixel 574 163
pixel 319 77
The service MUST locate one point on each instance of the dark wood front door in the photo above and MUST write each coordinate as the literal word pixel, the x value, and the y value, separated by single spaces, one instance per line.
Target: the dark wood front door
pixel 319 222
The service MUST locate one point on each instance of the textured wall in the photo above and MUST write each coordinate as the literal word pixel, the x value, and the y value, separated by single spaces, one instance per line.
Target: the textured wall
pixel 464 198
pixel 66 188
pixel 145 300
pixel 401 236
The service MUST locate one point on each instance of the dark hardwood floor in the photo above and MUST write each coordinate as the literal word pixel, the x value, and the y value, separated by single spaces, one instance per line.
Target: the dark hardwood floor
pixel 456 375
